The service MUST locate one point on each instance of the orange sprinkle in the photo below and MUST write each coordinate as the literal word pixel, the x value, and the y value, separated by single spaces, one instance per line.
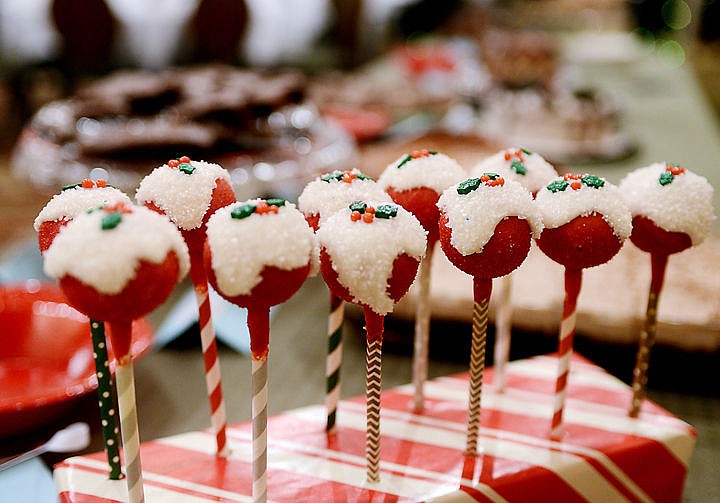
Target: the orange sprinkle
pixel 87 184
pixel 101 183
pixel 262 207
pixel 368 217
pixel 500 181
pixel 355 216
pixel 184 159
pixel 420 153
pixel 173 163
pixel 676 170
pixel 508 156
pixel 484 178
pixel 370 209
pixel 571 176
pixel 576 185
pixel 274 209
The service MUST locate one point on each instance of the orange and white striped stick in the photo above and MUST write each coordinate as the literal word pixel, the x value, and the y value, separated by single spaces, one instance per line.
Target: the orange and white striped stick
pixel 213 380
pixel 573 282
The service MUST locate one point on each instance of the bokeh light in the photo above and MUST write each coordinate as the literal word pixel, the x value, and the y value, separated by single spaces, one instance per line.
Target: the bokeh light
pixel 676 14
pixel 671 53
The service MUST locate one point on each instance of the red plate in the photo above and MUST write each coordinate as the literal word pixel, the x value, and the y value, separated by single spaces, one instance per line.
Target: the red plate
pixel 46 355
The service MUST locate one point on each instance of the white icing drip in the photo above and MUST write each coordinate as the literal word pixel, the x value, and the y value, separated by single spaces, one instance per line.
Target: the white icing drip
pixel 72 202
pixel 539 171
pixel 474 216
pixel 559 208
pixel 183 198
pixel 325 198
pixel 437 172
pixel 241 248
pixel 362 254
pixel 685 205
pixel 108 259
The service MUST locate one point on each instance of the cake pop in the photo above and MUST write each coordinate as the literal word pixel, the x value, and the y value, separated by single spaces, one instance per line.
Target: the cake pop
pixel 116 264
pixel 319 199
pixel 533 172
pixel 188 192
pixel 57 213
pixel 369 255
pixel 586 222
pixel 486 227
pixel 671 211
pixel 415 182
pixel 258 254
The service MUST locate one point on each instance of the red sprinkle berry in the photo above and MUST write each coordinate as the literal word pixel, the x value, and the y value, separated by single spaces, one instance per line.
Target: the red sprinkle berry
pixel 571 176
pixel 484 178
pixel 675 170
pixel 183 159
pixel 370 209
pixel 499 181
pixel 420 153
pixel 119 207
pixel 576 185
pixel 367 217
pixel 173 163
pixel 101 183
pixel 87 184
pixel 355 216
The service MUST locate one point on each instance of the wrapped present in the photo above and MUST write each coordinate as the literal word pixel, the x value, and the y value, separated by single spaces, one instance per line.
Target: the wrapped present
pixel 603 456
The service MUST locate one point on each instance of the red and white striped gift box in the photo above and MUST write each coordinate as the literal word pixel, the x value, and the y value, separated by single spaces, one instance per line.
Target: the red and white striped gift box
pixel 604 456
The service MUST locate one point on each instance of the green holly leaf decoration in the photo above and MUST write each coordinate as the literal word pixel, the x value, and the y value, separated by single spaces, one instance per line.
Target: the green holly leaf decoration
pixel 335 175
pixel 405 160
pixel 526 152
pixel 186 168
pixel 358 206
pixel 666 178
pixel 518 167
pixel 593 181
pixel 69 187
pixel 242 211
pixel 558 186
pixel 468 186
pixel 275 201
pixel 111 220
pixel 386 211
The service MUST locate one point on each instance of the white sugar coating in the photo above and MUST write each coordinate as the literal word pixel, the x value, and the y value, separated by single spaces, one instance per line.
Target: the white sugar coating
pixel 362 253
pixel 539 171
pixel 685 205
pixel 474 216
pixel 325 198
pixel 183 198
pixel 72 202
pixel 108 259
pixel 437 172
pixel 241 248
pixel 559 208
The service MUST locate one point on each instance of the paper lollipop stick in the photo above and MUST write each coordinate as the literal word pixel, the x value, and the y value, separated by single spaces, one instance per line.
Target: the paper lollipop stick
pixel 672 211
pixel 188 192
pixel 62 208
pixel 422 332
pixel 319 199
pixel 532 172
pixel 586 223
pixel 396 241
pixel 415 182
pixel 647 335
pixel 503 330
pixel 264 272
pixel 486 226
pixel 333 360
pixel 482 290
pixel 108 418
pixel 573 281
pixel 373 380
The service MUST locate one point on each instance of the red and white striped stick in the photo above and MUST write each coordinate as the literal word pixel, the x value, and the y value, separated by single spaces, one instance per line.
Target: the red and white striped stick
pixel 333 361
pixel 125 382
pixel 573 282
pixel 503 330
pixel 647 335
pixel 482 288
pixel 213 380
pixel 259 326
pixel 373 377
pixel 422 331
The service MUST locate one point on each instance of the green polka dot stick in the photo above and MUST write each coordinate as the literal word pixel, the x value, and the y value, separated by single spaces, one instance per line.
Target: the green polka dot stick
pixel 108 416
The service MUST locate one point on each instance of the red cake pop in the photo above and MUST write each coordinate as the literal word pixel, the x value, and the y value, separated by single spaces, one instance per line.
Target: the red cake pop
pixel 486 227
pixel 671 211
pixel 369 255
pixel 116 264
pixel 319 199
pixel 189 192
pixel 258 253
pixel 415 182
pixel 60 210
pixel 586 222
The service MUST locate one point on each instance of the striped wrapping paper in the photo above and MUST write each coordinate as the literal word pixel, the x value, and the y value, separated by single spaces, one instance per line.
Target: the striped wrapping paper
pixel 605 456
